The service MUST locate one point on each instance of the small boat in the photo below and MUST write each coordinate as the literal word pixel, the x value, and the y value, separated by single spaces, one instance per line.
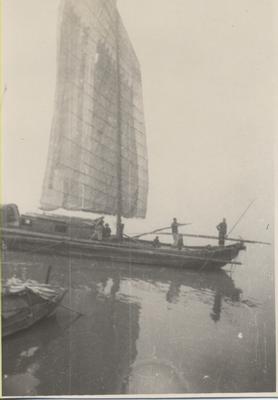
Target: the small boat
pixel 24 303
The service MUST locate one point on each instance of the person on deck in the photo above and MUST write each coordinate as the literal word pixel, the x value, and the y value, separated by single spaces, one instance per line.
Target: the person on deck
pixel 106 231
pixel 222 232
pixel 121 232
pixel 175 231
pixel 156 242
pixel 99 227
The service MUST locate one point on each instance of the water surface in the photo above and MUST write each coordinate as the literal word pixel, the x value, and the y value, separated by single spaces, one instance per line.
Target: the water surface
pixel 146 329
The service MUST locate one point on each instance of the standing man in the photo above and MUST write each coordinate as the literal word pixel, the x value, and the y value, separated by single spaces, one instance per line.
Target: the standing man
pixel 175 231
pixel 222 232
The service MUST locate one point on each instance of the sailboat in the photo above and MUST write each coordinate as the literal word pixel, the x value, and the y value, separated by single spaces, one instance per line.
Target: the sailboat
pixel 97 158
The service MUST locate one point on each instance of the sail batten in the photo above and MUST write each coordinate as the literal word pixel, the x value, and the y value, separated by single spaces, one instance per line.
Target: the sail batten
pixel 98 83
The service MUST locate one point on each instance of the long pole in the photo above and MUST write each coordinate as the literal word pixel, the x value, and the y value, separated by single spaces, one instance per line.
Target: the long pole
pixel 156 231
pixel 216 238
pixel 241 216
pixel 119 232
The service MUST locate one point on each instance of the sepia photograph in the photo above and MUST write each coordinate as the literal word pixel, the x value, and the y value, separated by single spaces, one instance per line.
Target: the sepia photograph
pixel 137 197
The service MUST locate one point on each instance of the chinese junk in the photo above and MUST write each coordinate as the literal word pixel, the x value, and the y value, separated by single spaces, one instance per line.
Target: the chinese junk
pixel 97 158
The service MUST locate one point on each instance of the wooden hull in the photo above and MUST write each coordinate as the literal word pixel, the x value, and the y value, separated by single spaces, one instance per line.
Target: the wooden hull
pixel 141 252
pixel 21 311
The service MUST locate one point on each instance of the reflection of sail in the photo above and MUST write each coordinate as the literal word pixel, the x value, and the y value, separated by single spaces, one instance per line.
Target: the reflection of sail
pixel 98 83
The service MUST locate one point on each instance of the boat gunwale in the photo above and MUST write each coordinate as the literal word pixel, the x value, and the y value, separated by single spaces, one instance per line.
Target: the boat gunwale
pixel 126 244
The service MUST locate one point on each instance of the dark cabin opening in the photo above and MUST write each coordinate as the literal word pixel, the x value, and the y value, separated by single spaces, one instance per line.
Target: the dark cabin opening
pixel 60 228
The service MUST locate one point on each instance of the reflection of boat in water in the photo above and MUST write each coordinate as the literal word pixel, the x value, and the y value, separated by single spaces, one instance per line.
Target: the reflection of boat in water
pixel 212 281
pixel 97 158
pixel 104 342
pixel 26 303
pixel 218 283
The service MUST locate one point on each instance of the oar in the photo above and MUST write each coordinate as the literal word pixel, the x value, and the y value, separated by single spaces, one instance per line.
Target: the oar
pixel 157 230
pixel 216 238
pixel 70 309
pixel 48 273
pixel 72 322
pixel 61 305
pixel 133 239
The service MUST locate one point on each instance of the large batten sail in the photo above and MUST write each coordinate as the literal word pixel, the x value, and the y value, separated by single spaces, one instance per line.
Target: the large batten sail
pixel 98 90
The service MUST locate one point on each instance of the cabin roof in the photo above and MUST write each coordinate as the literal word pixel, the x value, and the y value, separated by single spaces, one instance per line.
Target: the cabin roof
pixel 62 218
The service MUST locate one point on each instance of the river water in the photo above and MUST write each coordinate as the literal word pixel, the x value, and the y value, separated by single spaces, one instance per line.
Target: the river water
pixel 146 329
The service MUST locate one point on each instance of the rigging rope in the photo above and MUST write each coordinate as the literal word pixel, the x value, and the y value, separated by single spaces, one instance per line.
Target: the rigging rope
pixel 241 216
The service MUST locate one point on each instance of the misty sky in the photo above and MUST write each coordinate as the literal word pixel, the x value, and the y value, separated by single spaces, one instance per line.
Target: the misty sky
pixel 208 82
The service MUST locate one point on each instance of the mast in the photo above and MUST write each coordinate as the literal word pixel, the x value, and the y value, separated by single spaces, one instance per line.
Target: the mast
pixel 119 136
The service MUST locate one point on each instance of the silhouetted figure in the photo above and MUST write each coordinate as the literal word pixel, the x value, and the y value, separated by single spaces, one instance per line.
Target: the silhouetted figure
pixel 175 231
pixel 106 231
pixel 99 227
pixel 156 242
pixel 222 231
